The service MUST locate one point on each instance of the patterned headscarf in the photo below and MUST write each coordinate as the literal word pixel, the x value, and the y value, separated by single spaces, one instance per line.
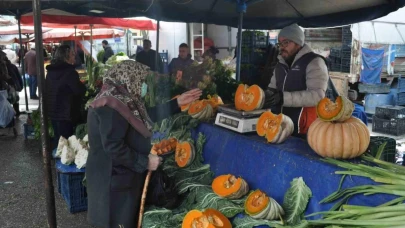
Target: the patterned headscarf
pixel 122 87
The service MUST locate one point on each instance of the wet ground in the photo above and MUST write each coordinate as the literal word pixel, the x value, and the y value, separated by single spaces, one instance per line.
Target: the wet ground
pixel 22 194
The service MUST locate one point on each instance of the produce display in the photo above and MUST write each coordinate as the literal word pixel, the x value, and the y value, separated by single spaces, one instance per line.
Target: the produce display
pixel 348 139
pixel 260 206
pixel 229 186
pixel 73 150
pixel 185 154
pixel 165 146
pixel 209 218
pixel 276 128
pixel 201 110
pixel 339 111
pixel 249 98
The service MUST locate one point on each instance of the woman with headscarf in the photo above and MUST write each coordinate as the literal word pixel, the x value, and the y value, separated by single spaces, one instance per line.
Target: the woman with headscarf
pixel 119 131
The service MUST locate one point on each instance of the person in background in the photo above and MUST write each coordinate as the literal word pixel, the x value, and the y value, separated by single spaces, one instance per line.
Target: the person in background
pixel 108 52
pixel 30 61
pixel 299 82
pixel 21 53
pixel 211 53
pixel 119 130
pixel 64 92
pixel 184 60
pixel 148 57
pixel 14 81
pixel 11 54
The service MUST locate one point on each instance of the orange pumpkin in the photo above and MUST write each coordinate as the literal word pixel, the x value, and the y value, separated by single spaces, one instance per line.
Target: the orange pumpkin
pixel 215 101
pixel 260 206
pixel 276 128
pixel 348 139
pixel 340 110
pixel 249 98
pixel 185 154
pixel 210 218
pixel 165 146
pixel 201 110
pixel 228 186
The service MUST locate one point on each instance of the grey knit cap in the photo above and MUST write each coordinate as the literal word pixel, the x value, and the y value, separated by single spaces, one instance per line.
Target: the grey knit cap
pixel 294 33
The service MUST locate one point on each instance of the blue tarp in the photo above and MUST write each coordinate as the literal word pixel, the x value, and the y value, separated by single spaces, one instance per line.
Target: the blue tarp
pixel 372 64
pixel 271 167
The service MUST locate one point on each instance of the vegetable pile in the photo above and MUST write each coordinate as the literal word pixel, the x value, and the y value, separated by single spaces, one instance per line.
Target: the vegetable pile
pixel 73 150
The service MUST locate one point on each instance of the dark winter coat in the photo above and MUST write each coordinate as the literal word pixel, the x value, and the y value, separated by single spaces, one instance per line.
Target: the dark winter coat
pixel 179 64
pixel 108 52
pixel 149 59
pixel 116 166
pixel 64 92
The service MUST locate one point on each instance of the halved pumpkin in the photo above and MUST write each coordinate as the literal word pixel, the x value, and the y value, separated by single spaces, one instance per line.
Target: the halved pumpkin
pixel 259 206
pixel 276 128
pixel 201 110
pixel 185 154
pixel 184 108
pixel 249 98
pixel 215 101
pixel 210 218
pixel 339 111
pixel 228 186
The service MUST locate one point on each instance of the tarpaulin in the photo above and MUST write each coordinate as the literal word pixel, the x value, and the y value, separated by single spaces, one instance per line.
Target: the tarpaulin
pixel 360 113
pixel 372 64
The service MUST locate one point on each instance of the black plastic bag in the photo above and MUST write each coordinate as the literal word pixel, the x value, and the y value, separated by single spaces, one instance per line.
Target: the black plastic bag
pixel 162 191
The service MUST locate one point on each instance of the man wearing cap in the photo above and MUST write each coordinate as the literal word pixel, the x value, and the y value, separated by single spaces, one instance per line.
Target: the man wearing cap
pixel 299 81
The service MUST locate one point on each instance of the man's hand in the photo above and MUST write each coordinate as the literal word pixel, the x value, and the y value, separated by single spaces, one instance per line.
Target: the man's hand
pixel 188 97
pixel 272 97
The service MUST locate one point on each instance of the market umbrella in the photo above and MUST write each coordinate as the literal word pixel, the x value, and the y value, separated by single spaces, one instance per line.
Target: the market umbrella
pixel 69 34
pixel 13 30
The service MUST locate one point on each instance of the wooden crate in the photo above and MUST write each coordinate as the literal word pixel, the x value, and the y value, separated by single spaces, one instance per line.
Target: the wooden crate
pixel 341 83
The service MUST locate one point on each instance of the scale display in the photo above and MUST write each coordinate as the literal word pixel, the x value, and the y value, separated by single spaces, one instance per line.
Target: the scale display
pixel 235 123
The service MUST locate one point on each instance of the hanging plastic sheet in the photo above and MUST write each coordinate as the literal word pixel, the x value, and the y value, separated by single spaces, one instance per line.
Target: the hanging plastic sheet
pixel 372 64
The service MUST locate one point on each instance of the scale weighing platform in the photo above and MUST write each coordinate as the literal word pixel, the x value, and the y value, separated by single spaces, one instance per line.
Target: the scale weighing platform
pixel 239 121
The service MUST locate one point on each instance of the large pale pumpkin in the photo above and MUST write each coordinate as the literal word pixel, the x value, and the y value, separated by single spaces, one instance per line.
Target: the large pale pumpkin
pixel 340 110
pixel 249 98
pixel 210 218
pixel 348 139
pixel 260 206
pixel 228 186
pixel 201 110
pixel 276 128
pixel 165 146
pixel 185 154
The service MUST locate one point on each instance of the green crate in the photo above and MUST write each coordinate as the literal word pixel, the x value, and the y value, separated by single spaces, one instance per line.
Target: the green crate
pixel 389 151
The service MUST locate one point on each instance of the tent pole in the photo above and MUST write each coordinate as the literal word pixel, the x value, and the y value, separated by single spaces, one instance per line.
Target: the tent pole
pixel 46 152
pixel 22 64
pixel 75 40
pixel 157 47
pixel 91 41
pixel 239 46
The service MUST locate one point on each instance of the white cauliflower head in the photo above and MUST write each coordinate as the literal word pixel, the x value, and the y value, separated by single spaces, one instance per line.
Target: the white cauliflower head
pixel 68 155
pixel 62 142
pixel 81 158
pixel 86 138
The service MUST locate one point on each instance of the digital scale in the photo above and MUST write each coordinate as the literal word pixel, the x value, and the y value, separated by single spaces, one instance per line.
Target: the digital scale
pixel 239 121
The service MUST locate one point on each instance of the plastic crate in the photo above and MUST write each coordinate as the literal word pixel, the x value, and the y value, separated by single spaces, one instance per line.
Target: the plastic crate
pixel 394 126
pixel 390 111
pixel 252 40
pixel 73 191
pixel 335 52
pixel 389 151
pixel 400 99
pixel 255 58
pixel 401 84
pixel 374 88
pixel 29 132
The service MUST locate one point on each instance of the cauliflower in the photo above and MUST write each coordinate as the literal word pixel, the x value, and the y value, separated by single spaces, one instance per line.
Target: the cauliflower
pixel 73 142
pixel 86 138
pixel 68 155
pixel 81 158
pixel 62 142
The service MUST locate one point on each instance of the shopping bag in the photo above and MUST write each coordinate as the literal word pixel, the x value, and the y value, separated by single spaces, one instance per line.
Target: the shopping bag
pixel 7 112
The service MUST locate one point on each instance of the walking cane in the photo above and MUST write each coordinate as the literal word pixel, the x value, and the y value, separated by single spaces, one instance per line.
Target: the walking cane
pixel 144 193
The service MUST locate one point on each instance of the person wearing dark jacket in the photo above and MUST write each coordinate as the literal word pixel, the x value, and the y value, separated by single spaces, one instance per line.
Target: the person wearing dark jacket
pixel 184 60
pixel 108 52
pixel 64 92
pixel 119 130
pixel 148 57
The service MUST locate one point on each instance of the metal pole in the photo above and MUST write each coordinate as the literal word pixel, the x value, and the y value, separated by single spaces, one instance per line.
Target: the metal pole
pixel 75 40
pixel 22 64
pixel 46 152
pixel 157 48
pixel 91 41
pixel 239 48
